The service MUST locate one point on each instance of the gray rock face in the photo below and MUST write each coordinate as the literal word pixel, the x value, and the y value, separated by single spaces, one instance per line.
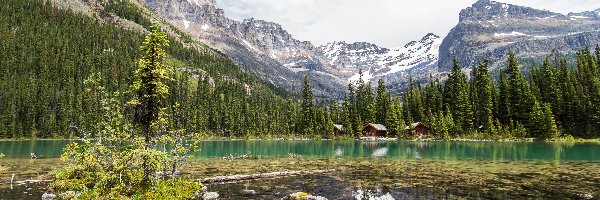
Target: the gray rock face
pixel 270 52
pixel 490 29
pixel 261 47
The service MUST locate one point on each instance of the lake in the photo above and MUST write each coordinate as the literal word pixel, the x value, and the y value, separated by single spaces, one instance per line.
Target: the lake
pixel 402 170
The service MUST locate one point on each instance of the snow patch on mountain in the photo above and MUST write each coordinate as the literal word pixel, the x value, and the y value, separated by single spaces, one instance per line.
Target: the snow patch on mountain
pixel 512 34
pixel 194 1
pixel 205 27
pixel 375 61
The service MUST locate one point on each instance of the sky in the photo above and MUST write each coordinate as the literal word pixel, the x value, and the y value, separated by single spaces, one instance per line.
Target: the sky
pixel 387 23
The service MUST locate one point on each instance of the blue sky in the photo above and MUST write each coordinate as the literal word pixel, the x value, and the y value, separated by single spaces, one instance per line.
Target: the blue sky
pixel 388 23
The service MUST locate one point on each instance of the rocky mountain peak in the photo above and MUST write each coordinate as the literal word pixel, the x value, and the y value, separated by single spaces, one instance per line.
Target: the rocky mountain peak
pixel 489 10
pixel 203 2
pixel 430 37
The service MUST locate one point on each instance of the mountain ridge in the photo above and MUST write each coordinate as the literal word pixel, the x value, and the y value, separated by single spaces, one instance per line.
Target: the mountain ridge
pixel 490 29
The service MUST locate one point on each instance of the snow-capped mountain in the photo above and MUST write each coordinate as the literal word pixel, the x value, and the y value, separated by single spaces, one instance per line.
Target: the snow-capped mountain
pixel 269 51
pixel 377 61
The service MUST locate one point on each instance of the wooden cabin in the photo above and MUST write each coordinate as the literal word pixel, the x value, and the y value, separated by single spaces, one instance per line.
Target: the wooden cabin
pixel 418 129
pixel 375 130
pixel 338 129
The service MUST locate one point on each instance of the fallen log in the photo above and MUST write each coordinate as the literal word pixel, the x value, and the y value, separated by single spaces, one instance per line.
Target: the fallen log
pixel 32 181
pixel 235 178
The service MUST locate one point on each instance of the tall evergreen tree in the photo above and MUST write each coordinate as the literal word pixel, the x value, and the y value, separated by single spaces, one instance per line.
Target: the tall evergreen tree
pixel 307 107
pixel 383 101
pixel 457 93
pixel 483 89
pixel 520 98
pixel 395 122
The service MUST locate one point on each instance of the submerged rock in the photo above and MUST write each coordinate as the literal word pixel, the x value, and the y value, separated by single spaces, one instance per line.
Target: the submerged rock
pixel 210 195
pixel 585 196
pixel 48 196
pixel 248 192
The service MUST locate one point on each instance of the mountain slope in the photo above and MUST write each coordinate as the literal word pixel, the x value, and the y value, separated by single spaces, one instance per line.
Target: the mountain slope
pixel 261 47
pixel 59 65
pixel 489 29
pixel 377 61
pixel 271 52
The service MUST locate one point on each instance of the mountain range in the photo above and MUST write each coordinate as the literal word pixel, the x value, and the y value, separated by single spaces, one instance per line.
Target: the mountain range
pixel 490 29
pixel 486 30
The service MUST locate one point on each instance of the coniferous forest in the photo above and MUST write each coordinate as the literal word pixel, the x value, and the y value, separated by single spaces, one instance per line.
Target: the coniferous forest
pixel 52 79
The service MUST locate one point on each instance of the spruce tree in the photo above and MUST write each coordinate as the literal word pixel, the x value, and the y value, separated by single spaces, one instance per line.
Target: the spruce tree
pixel 549 87
pixel 307 124
pixel 520 99
pixel 382 102
pixel 395 123
pixel 542 124
pixel 484 89
pixel 457 93
pixel 503 100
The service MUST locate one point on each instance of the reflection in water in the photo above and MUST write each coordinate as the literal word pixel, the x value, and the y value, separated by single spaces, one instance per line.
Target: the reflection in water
pixel 550 151
pixel 381 152
pixel 339 151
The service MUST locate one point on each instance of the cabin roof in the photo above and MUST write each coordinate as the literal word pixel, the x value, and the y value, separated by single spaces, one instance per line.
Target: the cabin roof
pixel 378 127
pixel 338 126
pixel 415 125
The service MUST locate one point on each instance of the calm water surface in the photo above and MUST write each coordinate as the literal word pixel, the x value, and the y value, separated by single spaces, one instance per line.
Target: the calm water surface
pixel 402 170
pixel 357 149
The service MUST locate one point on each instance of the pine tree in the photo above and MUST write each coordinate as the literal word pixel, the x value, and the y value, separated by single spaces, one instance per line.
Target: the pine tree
pixel 484 89
pixel 542 124
pixel 503 100
pixel 594 113
pixel 520 98
pixel 549 86
pixel 382 102
pixel 457 93
pixel 395 123
pixel 308 112
pixel 346 117
pixel 448 125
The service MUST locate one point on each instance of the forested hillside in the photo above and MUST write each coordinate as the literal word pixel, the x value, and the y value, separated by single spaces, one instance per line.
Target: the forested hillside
pixel 53 62
pixel 556 98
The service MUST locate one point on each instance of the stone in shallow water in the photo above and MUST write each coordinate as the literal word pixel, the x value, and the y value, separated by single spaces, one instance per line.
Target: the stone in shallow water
pixel 585 196
pixel 210 196
pixel 48 196
pixel 248 192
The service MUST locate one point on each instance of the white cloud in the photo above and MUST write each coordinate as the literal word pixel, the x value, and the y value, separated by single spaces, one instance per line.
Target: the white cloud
pixel 387 23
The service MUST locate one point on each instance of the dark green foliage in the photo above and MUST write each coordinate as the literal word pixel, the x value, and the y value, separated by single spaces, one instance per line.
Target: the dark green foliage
pixel 46 57
pixel 307 120
pixel 456 96
pixel 520 98
pixel 483 89
pixel 382 102
pixel 127 10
